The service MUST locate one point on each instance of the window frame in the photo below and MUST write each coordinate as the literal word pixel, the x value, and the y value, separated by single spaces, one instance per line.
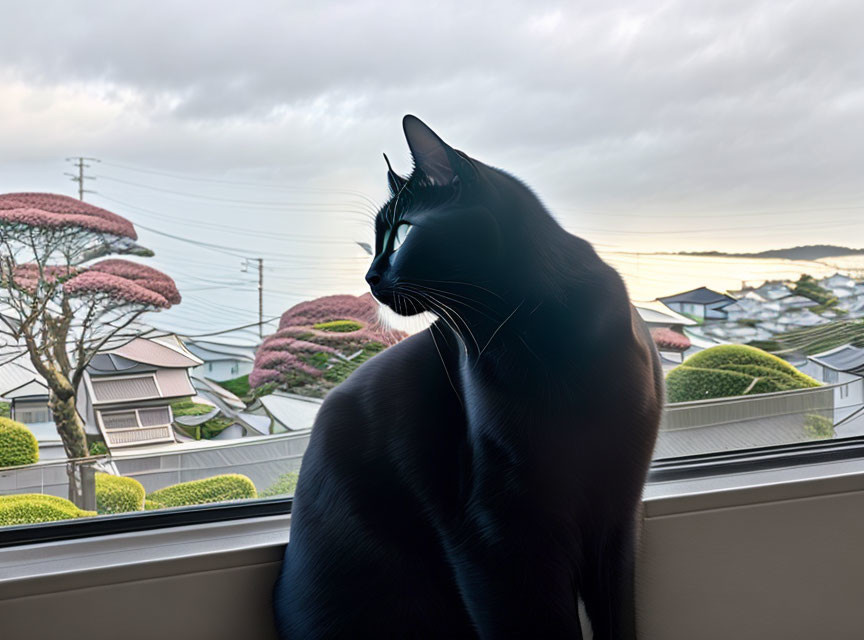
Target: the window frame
pixel 662 470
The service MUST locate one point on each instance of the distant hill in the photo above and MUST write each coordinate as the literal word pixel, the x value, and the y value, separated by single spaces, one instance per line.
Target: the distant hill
pixel 805 252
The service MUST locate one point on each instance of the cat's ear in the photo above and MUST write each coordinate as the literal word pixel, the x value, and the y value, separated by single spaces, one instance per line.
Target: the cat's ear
pixel 432 156
pixel 394 180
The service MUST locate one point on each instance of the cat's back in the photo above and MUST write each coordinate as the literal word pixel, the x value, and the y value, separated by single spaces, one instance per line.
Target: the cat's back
pixel 381 458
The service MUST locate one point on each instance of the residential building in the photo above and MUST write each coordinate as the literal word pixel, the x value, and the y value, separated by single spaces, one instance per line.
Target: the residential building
pixel 127 391
pixel 220 361
pixel 701 304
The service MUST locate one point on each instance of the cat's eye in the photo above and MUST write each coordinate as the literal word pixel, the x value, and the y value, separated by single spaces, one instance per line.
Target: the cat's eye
pixel 402 232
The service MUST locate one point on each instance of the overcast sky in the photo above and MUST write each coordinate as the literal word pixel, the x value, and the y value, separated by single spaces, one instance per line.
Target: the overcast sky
pixel 645 125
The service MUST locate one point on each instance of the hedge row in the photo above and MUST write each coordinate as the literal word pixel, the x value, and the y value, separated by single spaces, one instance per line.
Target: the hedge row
pixel 18 445
pixel 31 508
pixel 232 486
pixel 117 494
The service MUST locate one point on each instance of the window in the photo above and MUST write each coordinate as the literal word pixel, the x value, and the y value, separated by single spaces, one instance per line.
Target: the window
pixel 230 213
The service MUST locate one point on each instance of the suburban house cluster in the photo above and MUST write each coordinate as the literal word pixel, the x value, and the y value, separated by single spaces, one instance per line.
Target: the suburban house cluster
pixel 128 388
pixel 126 397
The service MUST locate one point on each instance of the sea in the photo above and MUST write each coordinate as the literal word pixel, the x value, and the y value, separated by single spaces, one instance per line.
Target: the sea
pixel 654 275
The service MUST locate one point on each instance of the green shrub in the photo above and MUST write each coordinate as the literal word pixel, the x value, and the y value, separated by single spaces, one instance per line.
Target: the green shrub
pixel 732 370
pixel 98 448
pixel 30 508
pixel 232 486
pixel 238 386
pixel 152 505
pixel 206 430
pixel 285 485
pixel 116 494
pixel 338 326
pixel 5 410
pixel 818 427
pixel 808 287
pixel 18 445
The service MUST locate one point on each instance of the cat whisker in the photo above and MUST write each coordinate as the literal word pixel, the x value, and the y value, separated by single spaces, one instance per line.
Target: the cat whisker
pixel 448 310
pixel 494 333
pixel 467 284
pixel 455 297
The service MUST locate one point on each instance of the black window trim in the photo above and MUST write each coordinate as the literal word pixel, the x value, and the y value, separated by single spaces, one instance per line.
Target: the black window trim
pixel 662 470
pixel 142 521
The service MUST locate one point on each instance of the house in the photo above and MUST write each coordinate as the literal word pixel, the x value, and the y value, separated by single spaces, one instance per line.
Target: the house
pixel 842 366
pixel 658 316
pixel 220 361
pixel 796 302
pixel 773 290
pixel 837 280
pixel 27 394
pixel 127 390
pixel 701 304
pixel 290 412
pixel 800 318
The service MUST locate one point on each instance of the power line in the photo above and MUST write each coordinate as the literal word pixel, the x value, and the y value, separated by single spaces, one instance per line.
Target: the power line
pixel 281 205
pixel 243 183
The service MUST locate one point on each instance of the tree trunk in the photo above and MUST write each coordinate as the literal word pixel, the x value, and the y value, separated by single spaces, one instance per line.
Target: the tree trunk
pixel 71 430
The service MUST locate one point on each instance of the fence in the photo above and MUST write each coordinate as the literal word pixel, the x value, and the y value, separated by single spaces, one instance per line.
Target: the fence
pixel 746 422
pixel 263 459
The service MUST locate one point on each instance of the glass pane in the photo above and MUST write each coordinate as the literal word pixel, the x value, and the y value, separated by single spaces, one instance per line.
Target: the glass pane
pixel 196 291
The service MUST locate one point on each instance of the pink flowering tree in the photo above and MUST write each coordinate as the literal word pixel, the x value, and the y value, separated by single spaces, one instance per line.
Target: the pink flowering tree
pixel 319 343
pixel 60 305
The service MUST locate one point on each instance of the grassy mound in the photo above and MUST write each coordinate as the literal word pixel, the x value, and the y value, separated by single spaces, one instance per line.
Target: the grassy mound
pixel 31 508
pixel 232 486
pixel 116 494
pixel 18 445
pixel 339 326
pixel 732 370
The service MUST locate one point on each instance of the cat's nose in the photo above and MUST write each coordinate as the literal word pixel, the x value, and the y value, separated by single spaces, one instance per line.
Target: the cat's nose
pixel 373 278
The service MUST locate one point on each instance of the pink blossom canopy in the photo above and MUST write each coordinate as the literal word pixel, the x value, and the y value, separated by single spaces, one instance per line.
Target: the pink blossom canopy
pixel 287 354
pixel 363 309
pixel 127 281
pixel 52 211
pixel 27 276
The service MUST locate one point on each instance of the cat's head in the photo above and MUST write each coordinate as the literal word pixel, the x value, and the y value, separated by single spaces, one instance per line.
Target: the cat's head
pixel 452 234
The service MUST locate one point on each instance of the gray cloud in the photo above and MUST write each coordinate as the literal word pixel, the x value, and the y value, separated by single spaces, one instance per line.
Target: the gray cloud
pixel 677 108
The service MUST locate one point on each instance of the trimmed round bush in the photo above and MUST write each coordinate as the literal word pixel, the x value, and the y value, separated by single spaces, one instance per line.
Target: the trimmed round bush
pixel 285 485
pixel 31 508
pixel 18 445
pixel 116 494
pixel 732 370
pixel 152 505
pixel 231 486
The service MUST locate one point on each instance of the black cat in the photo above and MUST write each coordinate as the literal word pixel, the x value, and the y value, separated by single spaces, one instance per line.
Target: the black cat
pixel 478 478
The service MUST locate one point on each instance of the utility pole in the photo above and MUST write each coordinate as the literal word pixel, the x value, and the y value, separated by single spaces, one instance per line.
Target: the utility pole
pixel 260 297
pixel 245 264
pixel 78 162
